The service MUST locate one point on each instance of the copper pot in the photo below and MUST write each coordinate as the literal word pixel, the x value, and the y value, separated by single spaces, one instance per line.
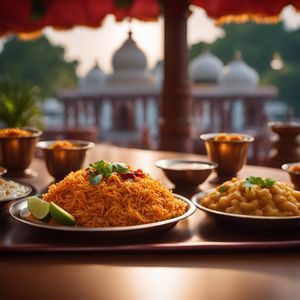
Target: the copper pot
pixel 16 153
pixel 60 162
pixel 294 175
pixel 229 155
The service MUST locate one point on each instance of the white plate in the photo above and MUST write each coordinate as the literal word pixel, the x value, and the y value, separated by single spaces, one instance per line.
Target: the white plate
pixel 20 212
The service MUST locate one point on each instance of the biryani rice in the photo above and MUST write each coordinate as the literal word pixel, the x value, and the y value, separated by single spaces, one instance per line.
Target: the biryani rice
pixel 62 144
pixel 14 132
pixel 115 201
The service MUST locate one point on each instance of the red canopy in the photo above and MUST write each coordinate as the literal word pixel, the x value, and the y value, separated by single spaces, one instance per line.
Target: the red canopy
pixel 29 16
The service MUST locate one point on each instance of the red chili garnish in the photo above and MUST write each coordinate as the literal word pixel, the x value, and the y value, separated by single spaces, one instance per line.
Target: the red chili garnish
pixel 139 173
pixel 127 176
pixel 132 175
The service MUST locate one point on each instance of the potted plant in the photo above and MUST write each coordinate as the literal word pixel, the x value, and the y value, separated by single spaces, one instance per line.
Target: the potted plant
pixel 19 104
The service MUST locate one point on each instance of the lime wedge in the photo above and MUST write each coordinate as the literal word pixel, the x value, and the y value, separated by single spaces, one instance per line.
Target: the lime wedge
pixel 60 215
pixel 38 207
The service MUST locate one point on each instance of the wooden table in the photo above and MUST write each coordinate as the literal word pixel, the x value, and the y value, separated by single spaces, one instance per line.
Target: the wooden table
pixel 206 274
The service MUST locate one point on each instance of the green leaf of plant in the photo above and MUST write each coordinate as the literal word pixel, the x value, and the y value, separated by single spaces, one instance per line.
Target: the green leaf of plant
pixel 19 104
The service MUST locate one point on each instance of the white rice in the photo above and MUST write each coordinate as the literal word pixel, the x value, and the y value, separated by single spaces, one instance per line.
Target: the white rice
pixel 10 189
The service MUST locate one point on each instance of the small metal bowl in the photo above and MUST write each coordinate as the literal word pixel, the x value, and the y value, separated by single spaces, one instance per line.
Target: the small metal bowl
pixel 230 155
pixel 186 172
pixel 294 175
pixel 16 153
pixel 60 162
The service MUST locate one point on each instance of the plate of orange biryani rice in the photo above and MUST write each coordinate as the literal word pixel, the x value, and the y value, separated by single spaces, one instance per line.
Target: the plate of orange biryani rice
pixel 253 200
pixel 109 197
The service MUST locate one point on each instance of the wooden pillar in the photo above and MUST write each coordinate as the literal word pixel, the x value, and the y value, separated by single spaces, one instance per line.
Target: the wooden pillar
pixel 176 104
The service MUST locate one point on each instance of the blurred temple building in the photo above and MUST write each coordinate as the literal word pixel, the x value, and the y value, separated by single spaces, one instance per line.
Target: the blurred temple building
pixel 124 106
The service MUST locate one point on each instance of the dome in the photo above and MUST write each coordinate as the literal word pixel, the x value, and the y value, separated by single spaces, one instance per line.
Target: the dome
pixel 95 76
pixel 238 75
pixel 94 79
pixel 129 56
pixel 206 67
pixel 130 65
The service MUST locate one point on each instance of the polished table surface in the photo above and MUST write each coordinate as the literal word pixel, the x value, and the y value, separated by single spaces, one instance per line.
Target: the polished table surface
pixel 244 274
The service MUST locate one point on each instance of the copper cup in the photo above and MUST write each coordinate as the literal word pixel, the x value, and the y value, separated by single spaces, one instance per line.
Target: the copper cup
pixel 16 153
pixel 293 174
pixel 60 162
pixel 230 155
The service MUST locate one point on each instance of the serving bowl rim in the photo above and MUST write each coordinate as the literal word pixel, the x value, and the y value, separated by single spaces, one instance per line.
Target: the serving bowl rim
pixel 208 137
pixel 44 145
pixel 281 124
pixel 35 133
pixel 210 164
pixel 286 166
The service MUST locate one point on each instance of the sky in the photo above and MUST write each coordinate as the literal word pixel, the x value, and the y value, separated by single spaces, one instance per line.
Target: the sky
pixel 90 45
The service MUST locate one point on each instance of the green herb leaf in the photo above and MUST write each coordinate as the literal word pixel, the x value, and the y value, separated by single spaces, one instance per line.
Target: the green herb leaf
pixel 107 169
pixel 223 189
pixel 269 182
pixel 103 168
pixel 264 183
pixel 95 179
pixel 120 168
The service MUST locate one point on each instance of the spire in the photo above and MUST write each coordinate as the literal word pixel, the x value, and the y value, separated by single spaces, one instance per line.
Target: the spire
pixel 96 65
pixel 130 29
pixel 205 48
pixel 238 55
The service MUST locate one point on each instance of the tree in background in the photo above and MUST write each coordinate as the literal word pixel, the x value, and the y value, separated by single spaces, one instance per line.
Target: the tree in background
pixel 258 44
pixel 38 63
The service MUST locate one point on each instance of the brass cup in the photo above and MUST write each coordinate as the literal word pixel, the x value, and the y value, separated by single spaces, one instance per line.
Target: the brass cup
pixel 16 153
pixel 286 129
pixel 60 162
pixel 229 155
pixel 294 176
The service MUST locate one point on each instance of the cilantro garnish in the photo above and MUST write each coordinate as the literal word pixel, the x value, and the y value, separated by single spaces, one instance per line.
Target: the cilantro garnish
pixel 223 189
pixel 264 183
pixel 102 168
